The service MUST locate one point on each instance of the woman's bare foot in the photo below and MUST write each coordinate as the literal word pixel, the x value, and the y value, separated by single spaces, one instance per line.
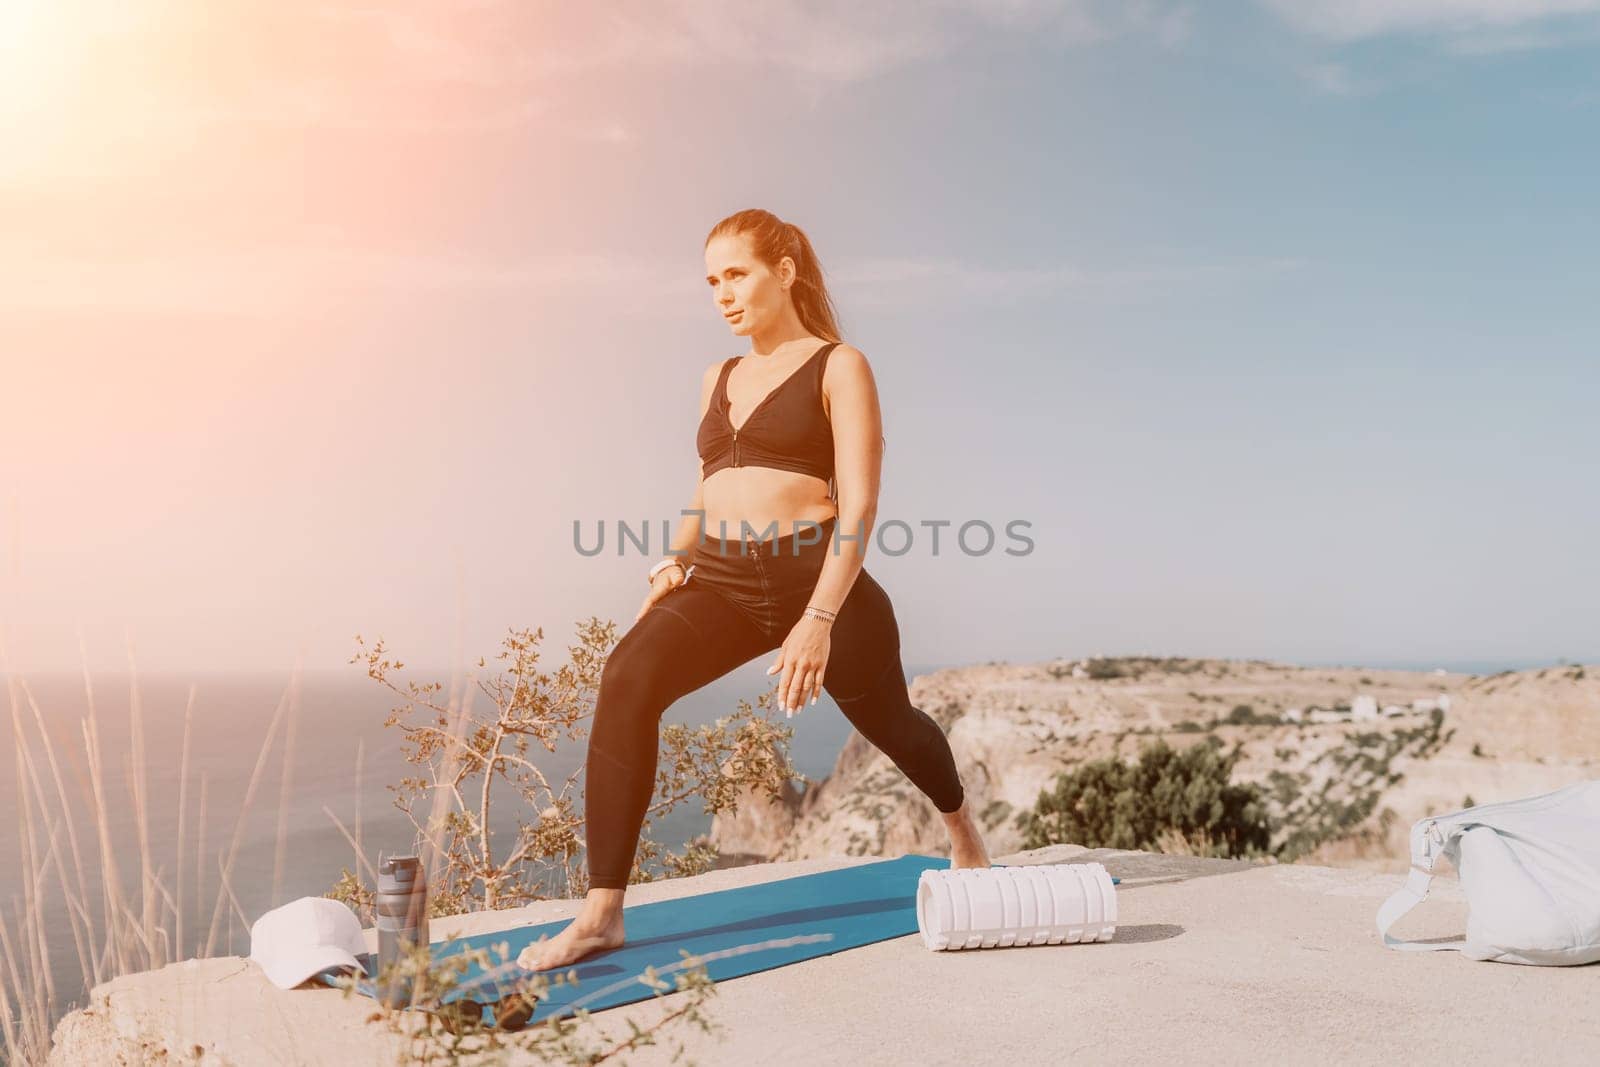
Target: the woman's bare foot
pixel 597 928
pixel 966 843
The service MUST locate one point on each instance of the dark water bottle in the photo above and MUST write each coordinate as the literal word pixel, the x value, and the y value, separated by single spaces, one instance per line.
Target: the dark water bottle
pixel 402 922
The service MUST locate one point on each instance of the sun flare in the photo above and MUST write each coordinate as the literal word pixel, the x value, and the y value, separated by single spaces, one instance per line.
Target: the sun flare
pixel 32 59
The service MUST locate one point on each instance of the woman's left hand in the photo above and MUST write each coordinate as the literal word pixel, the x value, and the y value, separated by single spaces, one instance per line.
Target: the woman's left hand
pixel 802 659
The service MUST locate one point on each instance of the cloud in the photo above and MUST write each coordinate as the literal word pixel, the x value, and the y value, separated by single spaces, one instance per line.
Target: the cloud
pixel 506 43
pixel 423 42
pixel 142 81
pixel 484 66
pixel 891 280
pixel 490 66
pixel 146 81
pixel 1460 21
pixel 303 276
pixel 1335 79
pixel 1497 41
pixel 500 42
pixel 321 270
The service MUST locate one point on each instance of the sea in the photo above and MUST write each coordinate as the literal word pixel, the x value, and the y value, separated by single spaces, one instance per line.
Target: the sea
pixel 279 814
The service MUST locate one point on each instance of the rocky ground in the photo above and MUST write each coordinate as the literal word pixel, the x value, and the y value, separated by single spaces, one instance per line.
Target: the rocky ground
pixel 1213 961
pixel 1351 787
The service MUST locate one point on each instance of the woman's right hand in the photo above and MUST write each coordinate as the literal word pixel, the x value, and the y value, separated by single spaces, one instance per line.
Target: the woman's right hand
pixel 668 580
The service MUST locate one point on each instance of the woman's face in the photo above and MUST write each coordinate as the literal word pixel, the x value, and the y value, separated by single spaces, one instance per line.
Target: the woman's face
pixel 747 293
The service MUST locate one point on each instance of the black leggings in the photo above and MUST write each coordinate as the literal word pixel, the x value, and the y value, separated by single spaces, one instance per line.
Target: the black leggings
pixel 741 600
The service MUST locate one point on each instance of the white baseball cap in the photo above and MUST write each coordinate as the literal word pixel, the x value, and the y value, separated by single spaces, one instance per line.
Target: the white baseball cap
pixel 293 942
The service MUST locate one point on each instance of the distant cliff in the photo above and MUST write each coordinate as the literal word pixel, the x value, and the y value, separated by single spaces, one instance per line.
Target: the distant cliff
pixel 1395 750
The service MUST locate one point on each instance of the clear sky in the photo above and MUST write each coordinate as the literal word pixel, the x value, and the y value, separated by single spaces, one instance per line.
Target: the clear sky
pixel 1277 321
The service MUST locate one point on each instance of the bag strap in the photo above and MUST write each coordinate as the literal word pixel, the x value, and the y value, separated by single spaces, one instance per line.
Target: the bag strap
pixel 1426 842
pixel 1416 888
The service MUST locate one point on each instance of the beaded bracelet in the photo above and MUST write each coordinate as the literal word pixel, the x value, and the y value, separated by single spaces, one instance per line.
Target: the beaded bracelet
pixel 820 613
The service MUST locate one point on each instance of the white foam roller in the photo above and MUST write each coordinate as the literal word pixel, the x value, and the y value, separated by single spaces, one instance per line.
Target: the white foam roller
pixel 1009 907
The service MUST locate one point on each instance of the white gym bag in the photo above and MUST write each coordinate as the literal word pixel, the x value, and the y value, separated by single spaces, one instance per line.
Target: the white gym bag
pixel 1530 869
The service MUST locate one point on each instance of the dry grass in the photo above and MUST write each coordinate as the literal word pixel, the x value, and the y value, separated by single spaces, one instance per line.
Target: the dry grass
pixel 1174 842
pixel 66 842
pixel 120 931
pixel 1369 849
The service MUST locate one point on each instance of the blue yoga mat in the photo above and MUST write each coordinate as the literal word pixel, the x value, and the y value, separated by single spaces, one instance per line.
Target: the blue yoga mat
pixel 814 914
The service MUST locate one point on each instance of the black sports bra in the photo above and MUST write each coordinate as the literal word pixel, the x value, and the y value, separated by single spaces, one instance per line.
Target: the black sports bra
pixel 786 431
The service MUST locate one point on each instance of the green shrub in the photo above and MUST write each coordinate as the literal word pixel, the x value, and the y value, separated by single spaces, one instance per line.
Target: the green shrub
pixel 1246 715
pixel 1109 803
pixel 1104 669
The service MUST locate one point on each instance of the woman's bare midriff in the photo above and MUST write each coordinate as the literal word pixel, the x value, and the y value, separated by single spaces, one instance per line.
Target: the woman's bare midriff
pixel 771 503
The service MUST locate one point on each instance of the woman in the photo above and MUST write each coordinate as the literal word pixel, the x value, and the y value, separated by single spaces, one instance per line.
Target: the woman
pixel 787 456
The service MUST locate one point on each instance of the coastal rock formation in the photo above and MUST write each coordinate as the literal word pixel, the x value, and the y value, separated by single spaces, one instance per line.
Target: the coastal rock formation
pixel 1373 750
